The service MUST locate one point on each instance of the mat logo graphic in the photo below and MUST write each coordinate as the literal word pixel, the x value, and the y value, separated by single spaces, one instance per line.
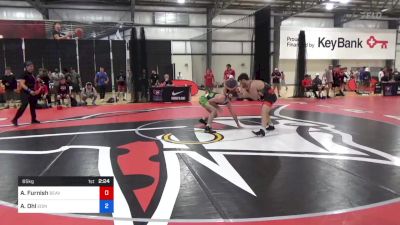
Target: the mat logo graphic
pixel 339 43
pixel 372 42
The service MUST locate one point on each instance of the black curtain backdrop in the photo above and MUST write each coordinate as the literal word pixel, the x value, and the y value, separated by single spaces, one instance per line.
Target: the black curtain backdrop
pixel 301 66
pixel 102 52
pixel 262 44
pixel 35 51
pixel 68 53
pixel 86 60
pixel 2 58
pixel 135 63
pixel 143 50
pixel 14 55
pixel 119 57
pixel 159 56
pixel 52 54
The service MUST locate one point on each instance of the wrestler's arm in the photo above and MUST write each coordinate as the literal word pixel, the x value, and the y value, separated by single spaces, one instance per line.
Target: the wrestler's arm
pixel 229 105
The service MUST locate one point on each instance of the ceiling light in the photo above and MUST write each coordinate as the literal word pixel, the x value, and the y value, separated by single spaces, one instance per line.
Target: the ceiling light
pixel 384 10
pixel 329 6
pixel 181 1
pixel 344 1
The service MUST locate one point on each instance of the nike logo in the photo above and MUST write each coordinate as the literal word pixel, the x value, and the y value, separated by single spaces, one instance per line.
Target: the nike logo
pixel 176 93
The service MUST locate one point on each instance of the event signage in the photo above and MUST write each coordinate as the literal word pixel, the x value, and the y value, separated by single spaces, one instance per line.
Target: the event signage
pixel 339 43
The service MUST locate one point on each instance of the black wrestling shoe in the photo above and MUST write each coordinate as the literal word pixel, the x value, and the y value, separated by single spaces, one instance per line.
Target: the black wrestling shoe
pixel 269 128
pixel 261 133
pixel 203 121
pixel 209 130
pixel 35 121
pixel 14 122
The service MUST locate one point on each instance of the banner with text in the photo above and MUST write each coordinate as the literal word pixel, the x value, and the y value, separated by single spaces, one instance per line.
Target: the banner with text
pixel 339 43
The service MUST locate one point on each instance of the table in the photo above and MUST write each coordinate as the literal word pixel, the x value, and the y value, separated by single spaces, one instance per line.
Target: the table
pixel 391 88
pixel 170 94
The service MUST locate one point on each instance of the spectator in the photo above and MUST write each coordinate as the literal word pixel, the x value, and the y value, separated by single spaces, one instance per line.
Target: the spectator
pixel 143 87
pixel 228 72
pixel 43 92
pixel 381 74
pixel 365 77
pixel 121 84
pixel 28 96
pixel 74 80
pixel 342 80
pixel 283 80
pixel 10 85
pixel 276 81
pixel 209 80
pixel 396 75
pixel 328 77
pixel 101 80
pixel 317 86
pixel 336 80
pixel 89 92
pixel 63 93
pixel 45 78
pixel 306 83
pixel 167 81
pixel 385 77
pixel 154 79
pixel 58 34
pixel 56 77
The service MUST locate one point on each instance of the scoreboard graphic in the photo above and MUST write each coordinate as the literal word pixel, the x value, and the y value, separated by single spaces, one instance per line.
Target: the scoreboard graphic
pixel 65 195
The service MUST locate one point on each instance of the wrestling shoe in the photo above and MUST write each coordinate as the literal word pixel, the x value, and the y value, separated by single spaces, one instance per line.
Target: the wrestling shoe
pixel 261 133
pixel 209 130
pixel 203 121
pixel 269 128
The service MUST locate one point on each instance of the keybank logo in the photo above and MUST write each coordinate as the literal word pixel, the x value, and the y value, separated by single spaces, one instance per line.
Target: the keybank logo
pixel 332 44
pixel 372 42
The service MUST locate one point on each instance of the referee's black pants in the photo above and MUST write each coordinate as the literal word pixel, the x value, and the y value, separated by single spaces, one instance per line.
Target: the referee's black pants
pixel 27 99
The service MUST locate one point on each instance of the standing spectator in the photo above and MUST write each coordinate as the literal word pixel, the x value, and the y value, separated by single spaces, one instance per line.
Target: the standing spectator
pixel 28 96
pixel 89 92
pixel 276 81
pixel 63 93
pixel 74 79
pixel 328 76
pixel 10 84
pixel 283 80
pixel 381 74
pixel 343 76
pixel 143 86
pixel 121 84
pixel 154 79
pixel 209 80
pixel 229 72
pixel 396 75
pixel 101 80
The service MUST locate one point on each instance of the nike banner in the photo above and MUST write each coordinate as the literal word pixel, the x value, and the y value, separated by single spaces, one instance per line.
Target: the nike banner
pixel 170 94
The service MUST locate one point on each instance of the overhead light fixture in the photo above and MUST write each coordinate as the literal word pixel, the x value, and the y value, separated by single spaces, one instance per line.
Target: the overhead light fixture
pixel 329 6
pixel 1 36
pixel 181 1
pixel 344 1
pixel 384 10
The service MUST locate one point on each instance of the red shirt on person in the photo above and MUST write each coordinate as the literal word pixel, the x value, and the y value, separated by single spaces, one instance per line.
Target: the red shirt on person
pixel 306 83
pixel 209 79
pixel 229 72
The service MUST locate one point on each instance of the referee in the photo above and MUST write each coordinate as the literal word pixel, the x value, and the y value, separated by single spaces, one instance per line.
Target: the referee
pixel 28 95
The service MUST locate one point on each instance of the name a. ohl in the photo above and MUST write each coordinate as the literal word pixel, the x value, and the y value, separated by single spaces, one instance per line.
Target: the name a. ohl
pixel 339 43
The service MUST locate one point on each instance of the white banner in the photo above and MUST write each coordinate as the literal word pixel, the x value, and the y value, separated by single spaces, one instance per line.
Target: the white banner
pixel 339 43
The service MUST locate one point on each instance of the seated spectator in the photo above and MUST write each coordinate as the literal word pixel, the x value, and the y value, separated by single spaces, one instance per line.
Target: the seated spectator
pixel 167 81
pixel 63 92
pixel 43 92
pixel 396 75
pixel 10 85
pixel 317 86
pixel 89 92
pixel 154 79
pixel 306 83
